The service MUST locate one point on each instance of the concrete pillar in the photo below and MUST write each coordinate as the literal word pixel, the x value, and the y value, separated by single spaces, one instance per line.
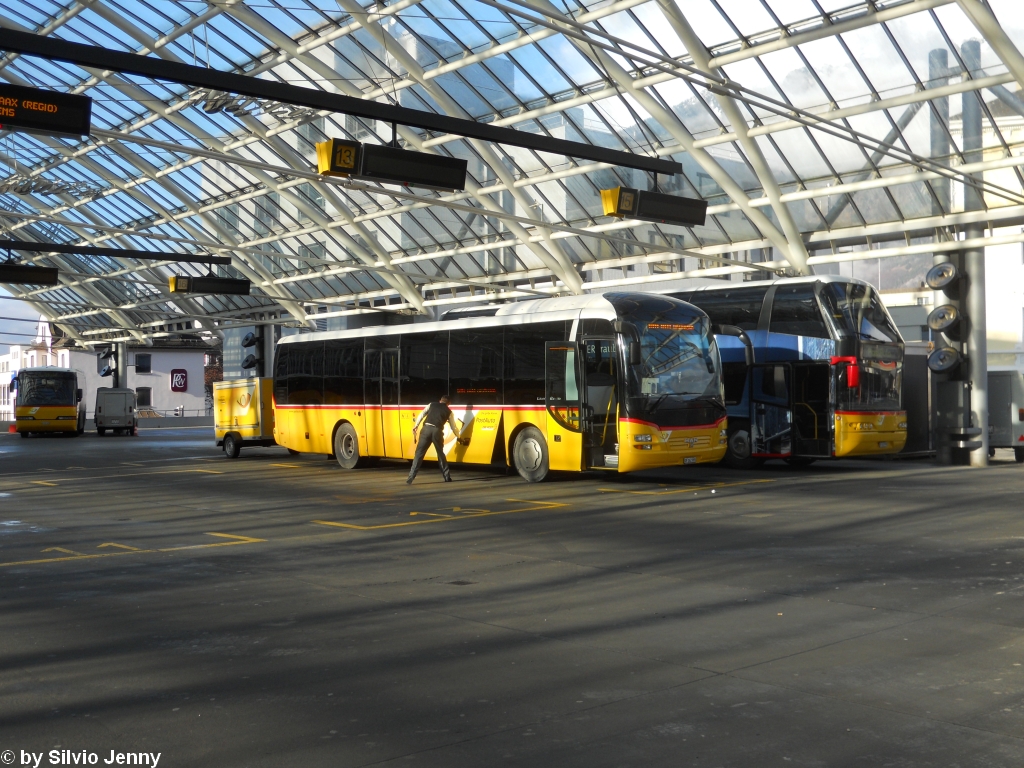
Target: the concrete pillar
pixel 974 265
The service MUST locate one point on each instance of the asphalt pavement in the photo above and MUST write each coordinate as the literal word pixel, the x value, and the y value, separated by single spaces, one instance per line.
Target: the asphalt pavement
pixel 157 599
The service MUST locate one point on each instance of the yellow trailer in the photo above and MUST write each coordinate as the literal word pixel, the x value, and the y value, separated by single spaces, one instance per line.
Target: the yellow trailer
pixel 243 414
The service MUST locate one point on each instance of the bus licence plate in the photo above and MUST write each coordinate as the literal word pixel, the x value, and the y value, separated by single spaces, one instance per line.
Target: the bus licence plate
pixel 115 421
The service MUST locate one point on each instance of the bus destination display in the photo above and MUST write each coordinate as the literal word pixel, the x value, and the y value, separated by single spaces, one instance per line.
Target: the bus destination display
pixel 45 112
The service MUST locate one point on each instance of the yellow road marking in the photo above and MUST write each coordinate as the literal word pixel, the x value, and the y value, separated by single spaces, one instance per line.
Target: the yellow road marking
pixel 289 466
pixel 538 505
pixel 235 541
pixel 683 490
pixel 119 546
pixel 203 471
pixel 43 482
pixel 430 514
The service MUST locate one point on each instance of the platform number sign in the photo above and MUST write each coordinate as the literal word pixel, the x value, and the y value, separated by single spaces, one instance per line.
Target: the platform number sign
pixel 338 157
pixel 179 380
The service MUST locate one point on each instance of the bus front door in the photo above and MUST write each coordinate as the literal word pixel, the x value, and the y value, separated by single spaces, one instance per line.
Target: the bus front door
pixel 812 435
pixel 601 403
pixel 563 401
pixel 771 420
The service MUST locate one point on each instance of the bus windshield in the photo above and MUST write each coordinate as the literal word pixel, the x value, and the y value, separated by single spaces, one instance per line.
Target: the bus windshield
pixel 857 313
pixel 46 388
pixel 679 360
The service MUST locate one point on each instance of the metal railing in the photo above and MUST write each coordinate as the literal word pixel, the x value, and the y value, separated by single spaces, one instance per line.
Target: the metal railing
pixel 145 412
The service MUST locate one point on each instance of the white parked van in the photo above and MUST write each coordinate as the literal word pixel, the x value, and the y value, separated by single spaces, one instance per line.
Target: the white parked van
pixel 115 409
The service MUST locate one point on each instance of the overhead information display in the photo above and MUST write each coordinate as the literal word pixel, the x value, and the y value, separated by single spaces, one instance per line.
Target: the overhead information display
pixel 46 112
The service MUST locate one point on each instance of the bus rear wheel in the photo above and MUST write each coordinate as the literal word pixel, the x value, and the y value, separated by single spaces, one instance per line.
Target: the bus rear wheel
pixel 530 454
pixel 346 447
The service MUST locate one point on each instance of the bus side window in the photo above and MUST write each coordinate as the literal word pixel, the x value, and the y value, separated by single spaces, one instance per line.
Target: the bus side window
pixel 795 311
pixel 524 361
pixel 424 367
pixel 343 372
pixel 475 370
pixel 306 373
pixel 280 375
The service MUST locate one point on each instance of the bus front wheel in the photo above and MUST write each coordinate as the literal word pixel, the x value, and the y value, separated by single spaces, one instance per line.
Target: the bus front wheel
pixel 346 447
pixel 737 454
pixel 530 453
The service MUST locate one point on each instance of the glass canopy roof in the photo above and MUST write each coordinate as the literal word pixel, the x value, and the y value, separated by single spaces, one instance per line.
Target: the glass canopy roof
pixel 818 131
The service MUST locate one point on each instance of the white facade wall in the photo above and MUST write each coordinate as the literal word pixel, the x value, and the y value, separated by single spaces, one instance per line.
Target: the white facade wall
pixel 163 361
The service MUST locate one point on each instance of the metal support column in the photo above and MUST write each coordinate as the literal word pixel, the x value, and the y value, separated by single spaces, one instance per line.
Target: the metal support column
pixel 947 396
pixel 974 264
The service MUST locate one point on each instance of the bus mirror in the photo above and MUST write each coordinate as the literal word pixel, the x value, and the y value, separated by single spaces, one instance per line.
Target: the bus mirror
pixel 78 395
pixel 14 383
pixel 635 353
pixel 853 376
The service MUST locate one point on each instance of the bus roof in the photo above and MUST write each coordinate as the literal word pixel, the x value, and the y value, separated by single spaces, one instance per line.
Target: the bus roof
pixel 586 306
pixel 46 369
pixel 766 284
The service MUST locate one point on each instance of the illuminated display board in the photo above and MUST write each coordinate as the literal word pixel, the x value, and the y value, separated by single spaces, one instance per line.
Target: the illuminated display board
pixel 46 112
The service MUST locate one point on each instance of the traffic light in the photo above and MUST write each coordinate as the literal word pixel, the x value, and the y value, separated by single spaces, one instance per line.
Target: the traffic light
pixel 644 205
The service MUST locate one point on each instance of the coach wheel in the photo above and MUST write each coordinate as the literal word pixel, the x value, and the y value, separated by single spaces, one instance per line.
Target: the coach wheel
pixel 292 452
pixel 101 431
pixel 531 455
pixel 346 447
pixel 25 434
pixel 737 452
pixel 232 446
pixel 132 432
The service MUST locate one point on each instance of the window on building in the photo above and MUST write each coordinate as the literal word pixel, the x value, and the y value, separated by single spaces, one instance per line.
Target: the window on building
pixel 144 397
pixel 309 134
pixel 266 214
pixel 143 363
pixel 357 128
pixel 312 197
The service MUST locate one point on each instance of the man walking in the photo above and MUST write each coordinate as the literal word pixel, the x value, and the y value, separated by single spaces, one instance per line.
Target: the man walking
pixel 433 417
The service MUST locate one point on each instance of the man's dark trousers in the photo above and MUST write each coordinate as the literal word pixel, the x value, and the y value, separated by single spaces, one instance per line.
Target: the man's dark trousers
pixel 429 435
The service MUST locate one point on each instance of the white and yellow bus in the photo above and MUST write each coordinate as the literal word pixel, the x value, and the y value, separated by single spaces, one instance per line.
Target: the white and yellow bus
pixel 620 382
pixel 49 400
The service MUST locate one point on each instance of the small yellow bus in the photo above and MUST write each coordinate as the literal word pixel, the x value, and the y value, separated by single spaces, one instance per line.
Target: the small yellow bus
pixel 617 382
pixel 48 399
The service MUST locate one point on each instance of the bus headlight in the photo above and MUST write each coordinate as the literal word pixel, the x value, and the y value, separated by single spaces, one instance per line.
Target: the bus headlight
pixel 642 438
pixel 862 426
pixel 645 447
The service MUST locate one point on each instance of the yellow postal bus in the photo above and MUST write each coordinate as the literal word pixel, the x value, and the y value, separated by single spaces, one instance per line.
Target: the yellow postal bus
pixel 620 382
pixel 49 400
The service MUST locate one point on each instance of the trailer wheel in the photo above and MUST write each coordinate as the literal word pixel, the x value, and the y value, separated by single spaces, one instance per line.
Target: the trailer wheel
pixel 101 431
pixel 232 446
pixel 1018 455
